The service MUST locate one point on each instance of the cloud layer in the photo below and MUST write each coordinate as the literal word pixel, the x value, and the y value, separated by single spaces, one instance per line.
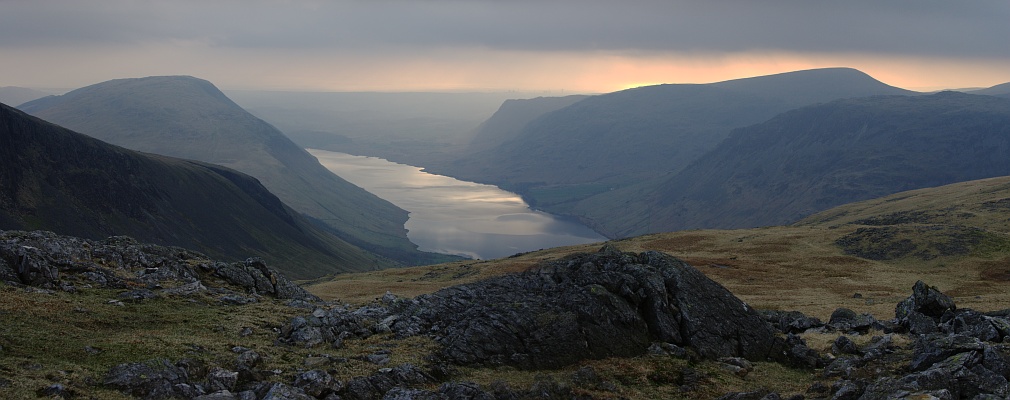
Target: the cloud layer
pixel 456 30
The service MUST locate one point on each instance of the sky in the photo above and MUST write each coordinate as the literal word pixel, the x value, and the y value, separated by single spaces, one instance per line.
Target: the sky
pixel 554 46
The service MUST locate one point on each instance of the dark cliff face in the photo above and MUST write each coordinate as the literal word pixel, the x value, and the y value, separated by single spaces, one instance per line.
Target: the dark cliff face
pixel 190 118
pixel 55 179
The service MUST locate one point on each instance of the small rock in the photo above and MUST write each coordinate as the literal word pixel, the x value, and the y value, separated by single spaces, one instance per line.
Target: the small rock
pixel 739 366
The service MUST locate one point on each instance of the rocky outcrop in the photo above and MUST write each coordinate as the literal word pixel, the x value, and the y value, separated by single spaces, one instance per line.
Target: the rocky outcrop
pixel 587 306
pixel 50 261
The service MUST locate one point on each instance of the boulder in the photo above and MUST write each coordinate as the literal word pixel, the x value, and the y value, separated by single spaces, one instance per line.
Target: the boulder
pixel 589 306
pixel 921 311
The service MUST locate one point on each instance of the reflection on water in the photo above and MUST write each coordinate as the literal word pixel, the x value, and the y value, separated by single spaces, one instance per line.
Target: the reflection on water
pixel 456 217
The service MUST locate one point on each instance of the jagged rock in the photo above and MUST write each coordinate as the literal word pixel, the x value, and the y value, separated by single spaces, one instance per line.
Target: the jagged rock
pixel 221 379
pixel 844 345
pixel 154 379
pixel 317 383
pixel 846 320
pixel 975 324
pixel 218 395
pixel 921 311
pixel 248 360
pixel 847 390
pixel 795 353
pixel 376 386
pixel 844 366
pixel 463 390
pixel 791 321
pixel 588 306
pixel 280 391
pixel 44 259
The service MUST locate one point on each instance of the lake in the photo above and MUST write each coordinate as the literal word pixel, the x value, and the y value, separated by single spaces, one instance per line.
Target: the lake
pixel 451 216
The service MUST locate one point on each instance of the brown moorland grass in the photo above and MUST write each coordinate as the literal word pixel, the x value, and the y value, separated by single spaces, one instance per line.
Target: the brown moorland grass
pixel 799 267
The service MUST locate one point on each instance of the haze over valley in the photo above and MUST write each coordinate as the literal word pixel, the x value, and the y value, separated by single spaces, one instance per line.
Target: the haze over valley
pixel 514 200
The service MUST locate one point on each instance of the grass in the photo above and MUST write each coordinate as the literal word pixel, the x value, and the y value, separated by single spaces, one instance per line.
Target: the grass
pixel 45 335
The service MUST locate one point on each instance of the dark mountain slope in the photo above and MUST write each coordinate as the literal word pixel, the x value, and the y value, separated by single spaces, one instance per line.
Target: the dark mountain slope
pixel 55 179
pixel 814 158
pixel 612 140
pixel 190 118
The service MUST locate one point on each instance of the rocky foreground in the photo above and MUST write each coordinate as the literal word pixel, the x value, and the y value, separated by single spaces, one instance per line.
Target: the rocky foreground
pixel 559 315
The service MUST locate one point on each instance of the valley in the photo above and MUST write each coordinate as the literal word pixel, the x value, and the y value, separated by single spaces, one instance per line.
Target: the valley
pixel 805 233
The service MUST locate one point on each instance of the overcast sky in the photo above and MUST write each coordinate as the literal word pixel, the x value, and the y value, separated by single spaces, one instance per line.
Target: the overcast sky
pixel 559 46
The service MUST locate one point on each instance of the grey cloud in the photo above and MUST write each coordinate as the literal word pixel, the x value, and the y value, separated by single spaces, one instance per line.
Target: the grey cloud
pixel 915 27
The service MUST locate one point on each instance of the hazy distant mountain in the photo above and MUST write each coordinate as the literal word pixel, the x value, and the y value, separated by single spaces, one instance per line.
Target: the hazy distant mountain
pixel 411 128
pixel 810 159
pixel 609 141
pixel 1002 89
pixel 16 95
pixel 507 123
pixel 190 118
pixel 54 179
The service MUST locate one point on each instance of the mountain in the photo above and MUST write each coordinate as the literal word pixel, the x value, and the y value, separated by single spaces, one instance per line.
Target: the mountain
pixel 609 141
pixel 55 179
pixel 17 95
pixel 414 128
pixel 508 122
pixel 817 157
pixel 1001 90
pixel 186 117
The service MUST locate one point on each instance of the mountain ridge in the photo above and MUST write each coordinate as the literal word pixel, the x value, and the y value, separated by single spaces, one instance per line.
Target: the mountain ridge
pixel 188 117
pixel 609 141
pixel 813 158
pixel 60 180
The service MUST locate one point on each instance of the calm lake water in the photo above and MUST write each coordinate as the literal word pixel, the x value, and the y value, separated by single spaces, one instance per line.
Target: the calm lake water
pixel 456 217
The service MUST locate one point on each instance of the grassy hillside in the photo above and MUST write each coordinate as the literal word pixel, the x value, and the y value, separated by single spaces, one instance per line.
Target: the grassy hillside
pixel 190 118
pixel 58 180
pixel 956 237
pixel 808 266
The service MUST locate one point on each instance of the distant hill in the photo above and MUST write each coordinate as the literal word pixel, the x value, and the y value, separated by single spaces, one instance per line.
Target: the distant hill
pixel 613 140
pixel 414 128
pixel 54 179
pixel 512 116
pixel 1002 89
pixel 14 95
pixel 189 118
pixel 817 157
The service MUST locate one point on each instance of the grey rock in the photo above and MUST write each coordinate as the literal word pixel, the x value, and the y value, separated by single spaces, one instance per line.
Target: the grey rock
pixel 218 395
pixel 280 391
pixel 317 383
pixel 844 345
pixel 588 306
pixel 151 380
pixel 221 380
pixel 248 359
